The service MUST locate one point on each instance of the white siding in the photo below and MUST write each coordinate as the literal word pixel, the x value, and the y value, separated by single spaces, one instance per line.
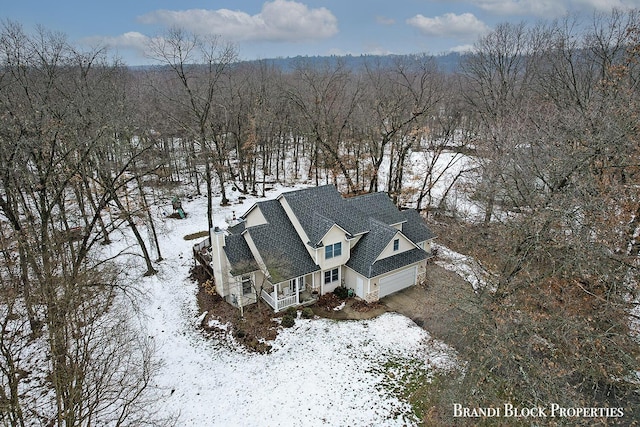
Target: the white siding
pixel 254 217
pixel 351 278
pixel 329 287
pixel 219 263
pixel 334 235
pixel 404 245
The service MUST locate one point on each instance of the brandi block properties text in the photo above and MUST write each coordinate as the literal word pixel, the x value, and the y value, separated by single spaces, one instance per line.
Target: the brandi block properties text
pixel 549 411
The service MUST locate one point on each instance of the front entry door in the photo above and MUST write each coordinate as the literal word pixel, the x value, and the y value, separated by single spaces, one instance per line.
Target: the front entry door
pixel 295 285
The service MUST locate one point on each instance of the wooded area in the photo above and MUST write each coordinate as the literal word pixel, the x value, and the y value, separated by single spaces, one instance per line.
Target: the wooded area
pixel 548 113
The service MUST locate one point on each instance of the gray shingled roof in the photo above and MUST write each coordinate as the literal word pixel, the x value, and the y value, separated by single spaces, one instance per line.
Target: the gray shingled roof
pixel 279 245
pixel 397 261
pixel 378 206
pixel 239 255
pixel 415 229
pixel 238 228
pixel 320 225
pixel 319 208
pixel 370 247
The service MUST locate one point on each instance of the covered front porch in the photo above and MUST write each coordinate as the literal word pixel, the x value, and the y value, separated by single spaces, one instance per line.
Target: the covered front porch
pixel 290 293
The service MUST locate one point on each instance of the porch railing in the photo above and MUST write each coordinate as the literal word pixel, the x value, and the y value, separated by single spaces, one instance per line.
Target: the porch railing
pixel 206 243
pixel 286 302
pixel 269 299
pixel 278 304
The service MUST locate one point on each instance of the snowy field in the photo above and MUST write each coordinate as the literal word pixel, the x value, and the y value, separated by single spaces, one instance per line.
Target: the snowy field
pixel 320 372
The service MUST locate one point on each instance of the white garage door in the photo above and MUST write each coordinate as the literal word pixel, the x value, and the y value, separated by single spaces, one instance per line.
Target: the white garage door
pixel 397 281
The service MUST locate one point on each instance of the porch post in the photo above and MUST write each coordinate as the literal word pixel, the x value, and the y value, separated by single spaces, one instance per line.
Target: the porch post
pixel 298 291
pixel 275 296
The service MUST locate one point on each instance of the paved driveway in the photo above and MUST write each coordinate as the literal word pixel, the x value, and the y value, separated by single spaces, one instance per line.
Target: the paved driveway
pixel 442 306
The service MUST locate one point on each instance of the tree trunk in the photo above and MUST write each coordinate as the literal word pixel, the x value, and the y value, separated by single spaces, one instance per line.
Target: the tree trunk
pixel 147 258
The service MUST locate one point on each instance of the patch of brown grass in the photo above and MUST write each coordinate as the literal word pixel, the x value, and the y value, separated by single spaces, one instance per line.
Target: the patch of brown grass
pixel 197 235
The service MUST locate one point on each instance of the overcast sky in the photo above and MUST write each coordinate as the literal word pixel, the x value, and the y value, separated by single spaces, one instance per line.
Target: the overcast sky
pixel 281 28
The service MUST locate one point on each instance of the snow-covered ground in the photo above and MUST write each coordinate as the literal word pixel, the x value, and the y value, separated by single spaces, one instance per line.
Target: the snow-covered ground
pixel 320 372
pixel 465 266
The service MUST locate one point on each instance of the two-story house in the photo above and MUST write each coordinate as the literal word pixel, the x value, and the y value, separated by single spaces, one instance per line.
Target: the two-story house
pixel 308 242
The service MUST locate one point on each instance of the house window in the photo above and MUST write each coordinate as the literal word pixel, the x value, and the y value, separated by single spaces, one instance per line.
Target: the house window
pixel 331 276
pixel 246 284
pixel 396 244
pixel 334 250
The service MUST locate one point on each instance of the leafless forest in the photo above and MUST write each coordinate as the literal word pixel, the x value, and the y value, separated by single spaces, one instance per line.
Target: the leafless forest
pixel 550 113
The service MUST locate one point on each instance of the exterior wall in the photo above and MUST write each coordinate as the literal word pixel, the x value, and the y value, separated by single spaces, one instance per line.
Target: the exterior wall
pixel 329 287
pixel 260 281
pixel 405 245
pixel 351 281
pixel 254 217
pixel 314 282
pixel 427 245
pixel 350 277
pixel 422 271
pixel 236 296
pixel 219 262
pixel 334 235
pixel 317 278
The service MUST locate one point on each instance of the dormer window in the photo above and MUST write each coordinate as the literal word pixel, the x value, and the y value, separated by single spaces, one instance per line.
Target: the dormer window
pixel 334 250
pixel 396 245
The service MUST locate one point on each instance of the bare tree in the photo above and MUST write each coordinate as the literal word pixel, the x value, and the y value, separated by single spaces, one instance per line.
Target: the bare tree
pixel 397 99
pixel 197 63
pixel 326 99
pixel 497 74
pixel 55 106
pixel 554 323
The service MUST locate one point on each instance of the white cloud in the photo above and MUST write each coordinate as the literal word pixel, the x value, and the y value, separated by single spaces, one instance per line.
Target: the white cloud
pixel 130 40
pixel 279 20
pixel 377 50
pixel 606 5
pixel 383 20
pixel 465 25
pixel 463 48
pixel 551 8
pixel 540 8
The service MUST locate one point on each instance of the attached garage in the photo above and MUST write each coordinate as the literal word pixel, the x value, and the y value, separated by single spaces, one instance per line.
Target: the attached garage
pixel 397 281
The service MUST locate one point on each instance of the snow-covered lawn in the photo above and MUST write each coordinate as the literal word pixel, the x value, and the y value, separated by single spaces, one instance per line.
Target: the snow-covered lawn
pixel 320 372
